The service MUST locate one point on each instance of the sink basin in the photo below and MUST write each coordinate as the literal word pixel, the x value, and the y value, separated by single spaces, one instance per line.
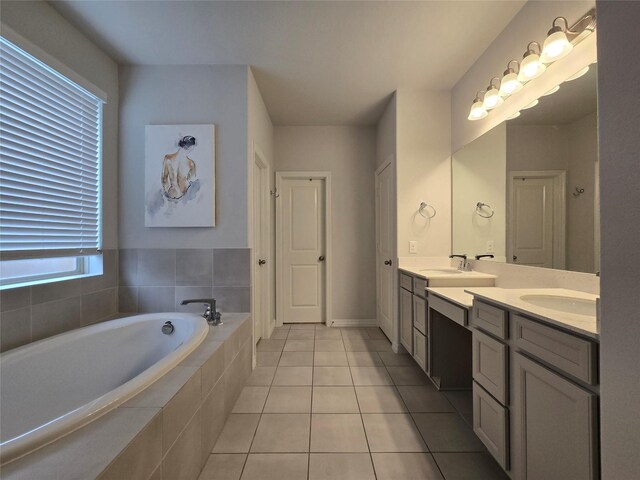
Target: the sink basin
pixel 580 306
pixel 441 271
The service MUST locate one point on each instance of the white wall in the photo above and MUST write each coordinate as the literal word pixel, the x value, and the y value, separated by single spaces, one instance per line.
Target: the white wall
pixel 41 25
pixel 619 144
pixel 185 95
pixel 479 175
pixel 423 171
pixel 531 23
pixel 260 138
pixel 349 153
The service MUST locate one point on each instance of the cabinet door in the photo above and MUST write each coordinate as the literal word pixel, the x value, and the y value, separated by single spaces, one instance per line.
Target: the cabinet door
pixel 420 349
pixel 555 430
pixel 420 314
pixel 406 320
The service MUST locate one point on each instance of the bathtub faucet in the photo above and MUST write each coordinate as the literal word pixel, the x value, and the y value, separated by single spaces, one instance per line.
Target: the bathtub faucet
pixel 212 316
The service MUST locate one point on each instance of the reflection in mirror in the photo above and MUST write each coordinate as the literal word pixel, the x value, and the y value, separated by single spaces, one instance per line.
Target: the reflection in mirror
pixel 538 175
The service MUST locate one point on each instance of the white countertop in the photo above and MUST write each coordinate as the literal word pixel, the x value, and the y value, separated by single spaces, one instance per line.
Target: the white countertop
pixel 510 298
pixel 455 295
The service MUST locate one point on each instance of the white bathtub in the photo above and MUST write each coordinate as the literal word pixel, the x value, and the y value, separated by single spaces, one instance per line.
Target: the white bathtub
pixel 53 387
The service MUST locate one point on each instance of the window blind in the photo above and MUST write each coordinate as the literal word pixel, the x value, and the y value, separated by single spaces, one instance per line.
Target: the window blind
pixel 49 161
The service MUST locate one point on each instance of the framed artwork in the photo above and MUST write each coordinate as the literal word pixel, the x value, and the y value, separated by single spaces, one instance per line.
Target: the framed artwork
pixel 180 166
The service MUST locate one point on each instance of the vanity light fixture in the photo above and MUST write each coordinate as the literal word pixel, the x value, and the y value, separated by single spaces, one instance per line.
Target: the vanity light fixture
pixel 553 90
pixel 531 105
pixel 531 67
pixel 557 45
pixel 477 111
pixel 510 83
pixel 515 115
pixel 578 74
pixel 492 98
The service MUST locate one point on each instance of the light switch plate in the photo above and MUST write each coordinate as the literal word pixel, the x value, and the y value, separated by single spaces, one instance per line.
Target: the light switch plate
pixel 413 246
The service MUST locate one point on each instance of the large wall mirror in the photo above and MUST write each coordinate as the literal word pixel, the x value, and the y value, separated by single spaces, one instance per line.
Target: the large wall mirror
pixel 527 190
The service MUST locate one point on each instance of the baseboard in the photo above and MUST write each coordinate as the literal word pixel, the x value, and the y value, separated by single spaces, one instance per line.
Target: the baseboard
pixel 354 322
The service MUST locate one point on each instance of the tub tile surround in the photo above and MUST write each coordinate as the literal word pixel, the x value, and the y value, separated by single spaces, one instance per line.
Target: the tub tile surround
pixel 155 280
pixel 166 431
pixel 36 312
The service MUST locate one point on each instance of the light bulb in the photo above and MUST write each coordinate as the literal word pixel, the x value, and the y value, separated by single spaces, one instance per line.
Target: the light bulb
pixel 553 90
pixel 477 110
pixel 509 84
pixel 531 67
pixel 578 75
pixel 531 105
pixel 492 99
pixel 556 46
pixel 515 115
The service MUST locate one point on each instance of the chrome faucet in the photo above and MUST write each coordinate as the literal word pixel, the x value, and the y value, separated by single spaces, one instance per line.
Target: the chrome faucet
pixel 212 316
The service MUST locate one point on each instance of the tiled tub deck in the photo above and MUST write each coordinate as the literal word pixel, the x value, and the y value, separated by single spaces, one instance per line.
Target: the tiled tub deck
pixel 166 431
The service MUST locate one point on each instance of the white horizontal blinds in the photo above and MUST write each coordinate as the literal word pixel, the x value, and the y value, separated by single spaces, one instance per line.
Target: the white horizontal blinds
pixel 49 161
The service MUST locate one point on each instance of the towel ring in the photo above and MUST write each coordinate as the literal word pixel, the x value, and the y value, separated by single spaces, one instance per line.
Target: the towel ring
pixel 479 208
pixel 424 205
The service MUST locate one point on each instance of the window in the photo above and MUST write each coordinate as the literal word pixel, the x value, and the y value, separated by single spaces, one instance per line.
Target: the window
pixel 50 164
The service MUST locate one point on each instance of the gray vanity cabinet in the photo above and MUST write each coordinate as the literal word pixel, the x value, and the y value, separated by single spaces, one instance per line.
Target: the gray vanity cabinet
pixel 406 316
pixel 420 342
pixel 555 425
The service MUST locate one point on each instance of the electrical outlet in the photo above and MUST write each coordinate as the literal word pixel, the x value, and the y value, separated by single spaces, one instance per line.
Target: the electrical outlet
pixel 413 246
pixel 490 246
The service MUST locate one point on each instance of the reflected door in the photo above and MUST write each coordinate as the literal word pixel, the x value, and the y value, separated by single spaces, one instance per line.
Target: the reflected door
pixel 384 253
pixel 303 263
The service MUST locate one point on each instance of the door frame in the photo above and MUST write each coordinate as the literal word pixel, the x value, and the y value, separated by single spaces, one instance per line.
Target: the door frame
pixel 298 175
pixel 259 161
pixel 559 211
pixel 395 323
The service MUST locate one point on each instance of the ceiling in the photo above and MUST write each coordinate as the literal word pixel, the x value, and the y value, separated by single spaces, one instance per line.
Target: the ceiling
pixel 316 63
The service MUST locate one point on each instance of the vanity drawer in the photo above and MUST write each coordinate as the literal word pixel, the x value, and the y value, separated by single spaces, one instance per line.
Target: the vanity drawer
pixel 567 352
pixel 420 314
pixel 490 424
pixel 490 360
pixel 491 319
pixel 406 282
pixel 420 349
pixel 419 286
pixel 449 310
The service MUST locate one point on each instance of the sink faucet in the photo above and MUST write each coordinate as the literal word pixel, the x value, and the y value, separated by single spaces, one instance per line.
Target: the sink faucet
pixel 463 265
pixel 210 315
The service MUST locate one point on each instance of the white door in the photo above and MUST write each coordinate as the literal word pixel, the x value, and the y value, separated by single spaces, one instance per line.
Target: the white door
pixel 384 251
pixel 260 225
pixel 531 224
pixel 302 263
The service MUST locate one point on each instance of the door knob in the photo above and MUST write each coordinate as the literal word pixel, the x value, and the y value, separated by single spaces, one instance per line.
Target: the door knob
pixel 261 262
pixel 321 258
pixel 515 258
pixel 387 262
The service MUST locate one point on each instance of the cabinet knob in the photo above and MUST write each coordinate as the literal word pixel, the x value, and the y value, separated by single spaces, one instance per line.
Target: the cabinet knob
pixel 387 262
pixel 261 262
pixel 515 258
pixel 321 258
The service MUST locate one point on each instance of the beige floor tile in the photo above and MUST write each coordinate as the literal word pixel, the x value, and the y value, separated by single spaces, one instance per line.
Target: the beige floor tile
pixel 397 466
pixel 330 359
pixel 296 326
pixel 391 359
pixel 447 432
pixel 424 398
pixel 337 433
pixel 296 359
pixel 392 432
pixel 251 400
pixel 370 376
pixel 267 359
pixel 364 359
pixel 261 376
pixel 358 345
pixel 329 345
pixel 301 334
pixel 223 466
pixel 380 399
pixel 279 334
pixel 289 400
pixel 462 401
pixel 270 345
pixel 340 466
pixel 375 333
pixel 328 334
pixel 352 332
pixel 463 466
pixel 282 433
pixel 334 400
pixel 237 433
pixel 331 376
pixel 381 345
pixel 292 376
pixel 299 346
pixel 287 466
pixel 408 375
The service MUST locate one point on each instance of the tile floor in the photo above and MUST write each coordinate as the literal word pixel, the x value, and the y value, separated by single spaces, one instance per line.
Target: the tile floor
pixel 329 403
